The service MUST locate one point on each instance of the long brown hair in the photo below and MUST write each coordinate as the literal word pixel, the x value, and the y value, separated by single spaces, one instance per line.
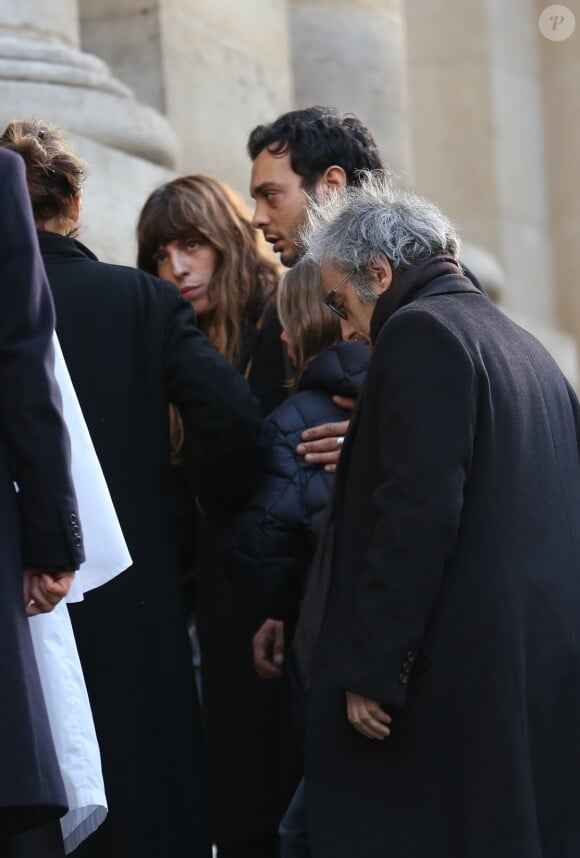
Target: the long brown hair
pixel 202 208
pixel 54 174
pixel 309 325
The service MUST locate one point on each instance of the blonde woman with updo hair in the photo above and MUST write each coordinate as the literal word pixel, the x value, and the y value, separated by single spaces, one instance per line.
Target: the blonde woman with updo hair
pixel 54 174
pixel 132 346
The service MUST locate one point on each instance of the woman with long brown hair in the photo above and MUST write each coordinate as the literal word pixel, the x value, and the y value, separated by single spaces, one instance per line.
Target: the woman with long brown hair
pixel 195 232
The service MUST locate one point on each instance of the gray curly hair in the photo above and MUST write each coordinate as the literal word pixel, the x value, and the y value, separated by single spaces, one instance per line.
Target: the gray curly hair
pixel 363 223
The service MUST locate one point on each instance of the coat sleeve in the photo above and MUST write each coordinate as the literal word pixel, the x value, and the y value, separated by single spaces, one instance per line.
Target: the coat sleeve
pixel 575 406
pixel 426 404
pixel 31 422
pixel 270 543
pixel 217 408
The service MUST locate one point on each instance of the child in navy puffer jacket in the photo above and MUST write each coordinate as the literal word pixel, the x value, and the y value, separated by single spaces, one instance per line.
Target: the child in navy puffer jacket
pixel 277 532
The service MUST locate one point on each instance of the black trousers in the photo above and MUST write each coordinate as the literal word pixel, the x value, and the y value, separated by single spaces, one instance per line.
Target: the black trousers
pixel 44 842
pixel 266 846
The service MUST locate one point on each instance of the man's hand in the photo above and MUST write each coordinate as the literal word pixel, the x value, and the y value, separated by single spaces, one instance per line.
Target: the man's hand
pixel 367 716
pixel 268 645
pixel 323 444
pixel 43 590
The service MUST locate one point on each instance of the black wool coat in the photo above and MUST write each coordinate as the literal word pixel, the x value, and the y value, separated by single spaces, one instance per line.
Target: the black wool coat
pixel 454 594
pixel 275 535
pixel 132 346
pixel 254 764
pixel 38 525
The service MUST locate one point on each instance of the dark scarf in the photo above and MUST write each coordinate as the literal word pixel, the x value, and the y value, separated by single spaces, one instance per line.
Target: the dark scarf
pixel 407 284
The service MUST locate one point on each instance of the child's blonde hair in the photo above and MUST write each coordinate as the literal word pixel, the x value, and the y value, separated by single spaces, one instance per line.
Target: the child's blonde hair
pixel 309 325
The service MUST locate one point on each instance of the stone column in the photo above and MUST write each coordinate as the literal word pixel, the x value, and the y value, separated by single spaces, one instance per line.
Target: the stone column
pixel 478 138
pixel 47 22
pixel 561 102
pixel 216 68
pixel 129 147
pixel 351 54
pixel 519 158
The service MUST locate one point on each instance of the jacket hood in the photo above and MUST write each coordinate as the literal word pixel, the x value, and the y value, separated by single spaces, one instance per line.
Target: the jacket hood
pixel 339 370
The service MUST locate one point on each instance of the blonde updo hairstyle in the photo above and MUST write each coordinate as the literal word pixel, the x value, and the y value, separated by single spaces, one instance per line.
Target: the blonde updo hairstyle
pixel 54 173
pixel 309 325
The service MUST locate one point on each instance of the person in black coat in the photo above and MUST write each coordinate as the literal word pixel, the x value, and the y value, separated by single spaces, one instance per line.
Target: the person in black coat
pixel 195 232
pixel 444 681
pixel 132 346
pixel 40 533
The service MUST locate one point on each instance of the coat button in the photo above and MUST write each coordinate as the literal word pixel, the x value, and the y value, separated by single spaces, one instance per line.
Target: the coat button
pixel 411 656
pixel 72 518
pixel 404 678
pixel 407 667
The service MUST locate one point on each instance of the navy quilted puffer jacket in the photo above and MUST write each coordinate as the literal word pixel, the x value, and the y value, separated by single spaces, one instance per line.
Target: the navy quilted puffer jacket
pixel 276 534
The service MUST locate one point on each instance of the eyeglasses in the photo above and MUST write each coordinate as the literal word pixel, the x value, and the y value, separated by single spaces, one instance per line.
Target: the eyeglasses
pixel 331 303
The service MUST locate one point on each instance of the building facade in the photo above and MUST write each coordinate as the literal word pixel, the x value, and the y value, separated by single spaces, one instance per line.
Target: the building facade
pixel 471 104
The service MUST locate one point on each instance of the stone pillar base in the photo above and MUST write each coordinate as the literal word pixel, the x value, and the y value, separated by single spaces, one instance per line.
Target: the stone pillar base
pixel 77 91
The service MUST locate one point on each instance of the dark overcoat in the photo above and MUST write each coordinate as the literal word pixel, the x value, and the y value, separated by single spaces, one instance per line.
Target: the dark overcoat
pixel 454 596
pixel 254 762
pixel 131 345
pixel 39 525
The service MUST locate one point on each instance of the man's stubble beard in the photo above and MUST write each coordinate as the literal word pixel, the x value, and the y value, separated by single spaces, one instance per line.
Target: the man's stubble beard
pixel 292 257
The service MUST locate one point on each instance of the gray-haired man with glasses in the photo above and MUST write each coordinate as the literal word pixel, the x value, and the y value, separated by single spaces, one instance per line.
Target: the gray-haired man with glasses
pixel 438 637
